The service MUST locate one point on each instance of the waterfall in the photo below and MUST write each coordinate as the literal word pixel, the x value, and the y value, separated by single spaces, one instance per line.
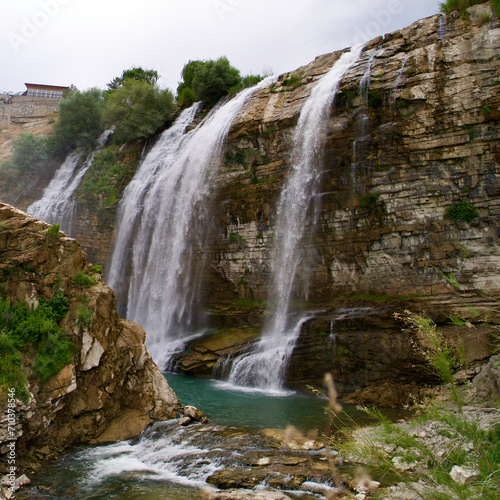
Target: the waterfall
pixel 57 204
pixel 162 220
pixel 397 82
pixel 297 215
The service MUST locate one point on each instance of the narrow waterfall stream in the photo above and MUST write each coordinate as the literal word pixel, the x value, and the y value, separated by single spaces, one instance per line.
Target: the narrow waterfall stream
pixel 57 204
pixel 163 218
pixel 297 216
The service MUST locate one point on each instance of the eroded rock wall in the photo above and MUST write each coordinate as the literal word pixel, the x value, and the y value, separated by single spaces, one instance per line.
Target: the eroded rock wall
pixel 113 389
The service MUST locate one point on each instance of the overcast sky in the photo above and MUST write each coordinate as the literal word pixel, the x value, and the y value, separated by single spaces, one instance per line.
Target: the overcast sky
pixel 88 42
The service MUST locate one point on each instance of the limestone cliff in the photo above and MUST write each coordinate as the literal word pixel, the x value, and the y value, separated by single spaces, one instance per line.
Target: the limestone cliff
pixel 413 134
pixel 112 390
pixel 414 130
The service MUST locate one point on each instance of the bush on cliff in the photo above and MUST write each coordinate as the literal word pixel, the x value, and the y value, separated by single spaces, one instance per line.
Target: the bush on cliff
pixel 138 109
pixel 24 330
pixel 462 5
pixel 30 154
pixel 207 80
pixel 80 122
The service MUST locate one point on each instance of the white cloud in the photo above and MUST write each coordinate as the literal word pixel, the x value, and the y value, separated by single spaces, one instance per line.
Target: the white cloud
pixel 88 42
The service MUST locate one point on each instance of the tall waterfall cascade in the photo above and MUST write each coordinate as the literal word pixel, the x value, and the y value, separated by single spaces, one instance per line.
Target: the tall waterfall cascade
pixel 57 204
pixel 162 220
pixel 298 211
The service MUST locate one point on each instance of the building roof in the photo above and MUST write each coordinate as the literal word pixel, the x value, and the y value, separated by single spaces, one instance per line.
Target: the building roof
pixel 39 86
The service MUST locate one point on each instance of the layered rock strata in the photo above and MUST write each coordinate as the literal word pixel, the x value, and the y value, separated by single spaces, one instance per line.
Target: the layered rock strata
pixel 112 390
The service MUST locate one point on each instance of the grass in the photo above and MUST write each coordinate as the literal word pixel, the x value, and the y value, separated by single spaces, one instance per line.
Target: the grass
pixel 422 455
pixel 462 5
pixel 84 280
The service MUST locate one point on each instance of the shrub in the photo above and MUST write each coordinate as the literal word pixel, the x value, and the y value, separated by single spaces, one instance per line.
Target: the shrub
pixel 372 203
pixel 461 5
pixel 30 153
pixel 80 122
pixel 23 329
pixel 295 81
pixel 55 352
pixel 53 232
pixel 84 316
pixel 138 109
pixel 97 269
pixel 84 280
pixel 208 80
pixel 135 73
pixel 462 211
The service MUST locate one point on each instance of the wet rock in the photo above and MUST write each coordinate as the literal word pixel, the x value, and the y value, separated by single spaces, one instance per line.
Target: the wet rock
pixel 248 495
pixel 185 421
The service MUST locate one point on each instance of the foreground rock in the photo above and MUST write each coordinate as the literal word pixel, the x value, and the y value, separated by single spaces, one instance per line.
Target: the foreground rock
pixel 112 390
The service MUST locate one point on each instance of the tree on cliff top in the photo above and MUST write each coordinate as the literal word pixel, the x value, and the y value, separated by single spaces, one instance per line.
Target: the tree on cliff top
pixel 207 80
pixel 138 108
pixel 79 123
pixel 135 73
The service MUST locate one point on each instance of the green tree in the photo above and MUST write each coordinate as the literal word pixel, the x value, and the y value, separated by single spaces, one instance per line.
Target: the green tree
pixel 30 153
pixel 138 109
pixel 135 73
pixel 207 80
pixel 80 121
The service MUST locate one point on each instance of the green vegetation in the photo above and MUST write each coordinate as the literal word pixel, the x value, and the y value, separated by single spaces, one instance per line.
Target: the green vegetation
pixel 420 455
pixel 462 211
pixel 236 238
pixel 461 5
pixel 135 73
pixel 29 161
pixel 97 269
pixel 375 98
pixel 373 204
pixel 26 329
pixel 79 123
pixel 138 109
pixel 53 232
pixel 30 153
pixel 103 178
pixel 208 81
pixel 295 81
pixel 84 316
pixel 84 280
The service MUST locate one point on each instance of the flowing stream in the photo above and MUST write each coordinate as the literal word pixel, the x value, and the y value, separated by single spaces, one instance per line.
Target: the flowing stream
pixel 170 462
pixel 163 218
pixel 297 215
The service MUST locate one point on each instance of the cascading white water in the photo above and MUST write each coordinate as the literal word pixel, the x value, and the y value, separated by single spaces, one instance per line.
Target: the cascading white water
pixel 162 219
pixel 297 214
pixel 57 203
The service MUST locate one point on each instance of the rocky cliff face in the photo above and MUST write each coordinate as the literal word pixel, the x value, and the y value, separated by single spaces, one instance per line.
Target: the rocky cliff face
pixel 112 390
pixel 414 130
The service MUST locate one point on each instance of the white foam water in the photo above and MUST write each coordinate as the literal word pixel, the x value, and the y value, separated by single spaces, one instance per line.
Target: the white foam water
pixel 297 214
pixel 162 222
